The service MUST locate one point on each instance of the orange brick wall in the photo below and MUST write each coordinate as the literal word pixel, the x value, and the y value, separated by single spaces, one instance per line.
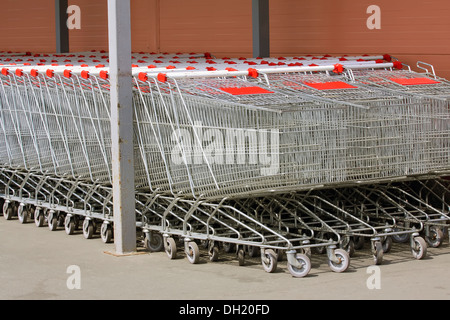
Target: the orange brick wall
pixel 27 25
pixel 410 30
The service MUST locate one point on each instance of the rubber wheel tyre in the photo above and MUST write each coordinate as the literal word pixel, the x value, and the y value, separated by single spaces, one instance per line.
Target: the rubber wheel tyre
pixel 387 244
pixel 378 253
pixel 252 251
pixel 106 232
pixel 193 252
pixel 281 255
pixel 272 260
pixel 154 242
pixel 358 242
pixel 350 248
pixel 22 214
pixel 305 268
pixel 307 252
pixel 39 218
pixel 435 238
pixel 419 249
pixel 61 219
pixel 170 247
pixel 228 247
pixel 320 249
pixel 241 256
pixel 213 252
pixel 344 261
pixel 400 238
pixel 8 213
pixel 52 220
pixel 88 229
pixel 69 225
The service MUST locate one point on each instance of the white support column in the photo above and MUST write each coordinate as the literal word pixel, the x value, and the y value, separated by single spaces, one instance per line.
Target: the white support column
pixel 119 26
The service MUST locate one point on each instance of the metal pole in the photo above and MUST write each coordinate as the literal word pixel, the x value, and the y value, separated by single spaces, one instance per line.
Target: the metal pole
pixel 119 25
pixel 260 25
pixel 62 32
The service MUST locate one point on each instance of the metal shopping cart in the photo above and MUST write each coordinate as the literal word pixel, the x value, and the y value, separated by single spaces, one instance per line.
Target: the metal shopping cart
pixel 216 153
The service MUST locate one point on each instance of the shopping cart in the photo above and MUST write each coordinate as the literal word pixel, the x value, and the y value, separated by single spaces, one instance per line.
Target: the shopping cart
pixel 204 141
pixel 418 197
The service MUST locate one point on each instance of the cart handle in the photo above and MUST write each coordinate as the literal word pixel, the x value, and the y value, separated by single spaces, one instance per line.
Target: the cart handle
pixel 419 63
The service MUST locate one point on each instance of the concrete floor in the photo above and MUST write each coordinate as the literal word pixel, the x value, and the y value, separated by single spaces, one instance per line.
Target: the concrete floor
pixel 34 264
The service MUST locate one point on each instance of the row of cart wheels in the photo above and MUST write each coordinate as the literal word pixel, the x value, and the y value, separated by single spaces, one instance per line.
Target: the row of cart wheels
pixel 56 219
pixel 299 264
pixel 383 245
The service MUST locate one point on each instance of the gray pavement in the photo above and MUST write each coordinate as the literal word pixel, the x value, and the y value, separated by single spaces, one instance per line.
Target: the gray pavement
pixel 36 263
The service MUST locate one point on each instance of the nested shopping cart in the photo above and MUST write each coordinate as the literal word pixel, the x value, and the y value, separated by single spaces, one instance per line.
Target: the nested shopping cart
pixel 218 155
pixel 383 114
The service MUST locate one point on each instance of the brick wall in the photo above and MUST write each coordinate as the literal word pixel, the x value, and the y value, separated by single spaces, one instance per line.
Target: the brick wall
pixel 411 31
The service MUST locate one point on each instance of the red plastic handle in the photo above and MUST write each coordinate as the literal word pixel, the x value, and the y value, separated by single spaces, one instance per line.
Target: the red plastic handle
pixel 143 76
pixel 162 77
pixel 85 74
pixel 50 73
pixel 67 73
pixel 104 74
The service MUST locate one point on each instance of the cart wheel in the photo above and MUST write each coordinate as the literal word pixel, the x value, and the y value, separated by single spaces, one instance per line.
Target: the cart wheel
pixel 76 220
pixel 435 238
pixel 170 247
pixel 22 214
pixel 69 225
pixel 419 248
pixel 52 221
pixel 204 244
pixel 350 248
pixel 252 251
pixel 400 238
pixel 4 208
pixel 241 256
pixel 269 261
pixel 106 232
pixel 377 252
pixel 154 242
pixel 342 264
pixel 31 210
pixel 88 229
pixel 8 211
pixel 61 219
pixel 358 242
pixel 228 247
pixel 307 252
pixel 213 251
pixel 192 252
pixel 39 218
pixel 387 244
pixel 320 249
pixel 300 272
pixel 281 255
